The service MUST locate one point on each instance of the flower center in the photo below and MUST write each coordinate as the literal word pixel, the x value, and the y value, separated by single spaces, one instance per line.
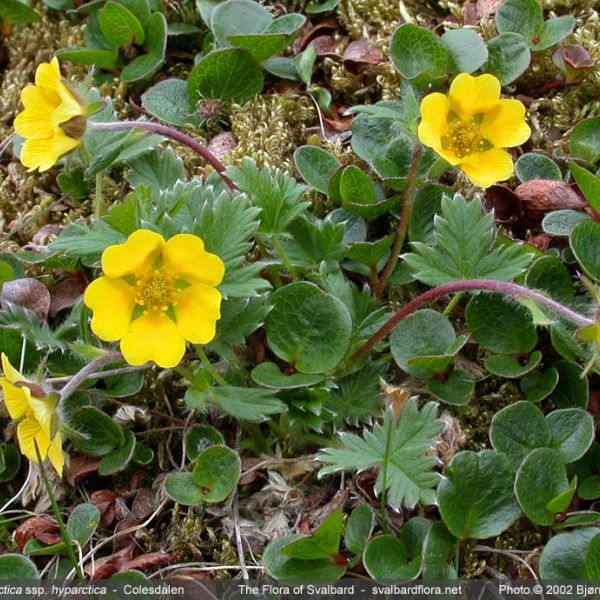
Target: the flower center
pixel 464 137
pixel 155 291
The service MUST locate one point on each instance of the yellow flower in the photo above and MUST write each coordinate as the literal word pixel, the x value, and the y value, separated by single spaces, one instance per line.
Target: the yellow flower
pixel 155 295
pixel 471 126
pixel 53 120
pixel 37 418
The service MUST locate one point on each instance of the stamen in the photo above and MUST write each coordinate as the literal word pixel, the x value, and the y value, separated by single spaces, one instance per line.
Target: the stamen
pixel 463 137
pixel 156 292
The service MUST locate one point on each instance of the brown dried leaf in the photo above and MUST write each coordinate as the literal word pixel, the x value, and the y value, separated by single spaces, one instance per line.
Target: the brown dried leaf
pixel 325 46
pixel 540 196
pixel 27 293
pixel 146 561
pixel 362 52
pixel 143 503
pixel 485 8
pixel 395 396
pixel 43 528
pixel 222 143
pixel 79 466
pixel 104 500
pixel 67 293
pixel 103 568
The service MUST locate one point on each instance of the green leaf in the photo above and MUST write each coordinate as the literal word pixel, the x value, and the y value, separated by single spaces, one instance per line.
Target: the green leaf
pixel 456 389
pixel 356 186
pixel 585 140
pixel 589 185
pixel 181 488
pixel 572 389
pixel 426 204
pixel 104 59
pixel 554 31
pixel 560 223
pixel 10 462
pixel 582 519
pixel 538 385
pixel 82 523
pixel 246 404
pixel 304 64
pixel 313 8
pixel 410 478
pixel 386 559
pixel 200 437
pixel 284 568
pixel 508 57
pixel 572 432
pixel 100 434
pixel 413 535
pixel 536 166
pixel 120 26
pixel 371 254
pixel 439 545
pixel 143 66
pixel 424 333
pixel 261 45
pixel 518 429
pixel 564 556
pixel 81 241
pixel 508 366
pixel 324 542
pixel 17 567
pixel 419 54
pixel 561 502
pixel 589 488
pixel 118 459
pixel 238 17
pixel 217 473
pixel 168 101
pixel 550 275
pixel 231 73
pixel 73 184
pixel 308 328
pixel 475 497
pixel 500 325
pixel 521 16
pixel 585 241
pixel 316 166
pixel 463 248
pixel 17 12
pixel 278 196
pixel 359 529
pixel 592 559
pixel 541 477
pixel 268 375
pixel 467 49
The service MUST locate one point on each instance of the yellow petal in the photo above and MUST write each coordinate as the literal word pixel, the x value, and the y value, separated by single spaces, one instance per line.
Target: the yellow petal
pixel 10 372
pixel 505 126
pixel 185 258
pixel 55 454
pixel 487 168
pixel 35 121
pixel 434 119
pixel 44 154
pixel 40 99
pixel 48 75
pixel 29 433
pixel 68 108
pixel 153 337
pixel 472 95
pixel 133 257
pixel 44 413
pixel 112 302
pixel 197 311
pixel 16 399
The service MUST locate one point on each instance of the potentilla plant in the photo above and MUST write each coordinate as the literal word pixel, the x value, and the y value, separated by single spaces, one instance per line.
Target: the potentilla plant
pixel 354 318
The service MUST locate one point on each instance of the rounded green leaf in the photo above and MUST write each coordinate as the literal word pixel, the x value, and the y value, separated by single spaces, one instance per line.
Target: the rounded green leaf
pixel 508 57
pixel 413 535
pixel 585 140
pixel 285 568
pixel 356 187
pixel 424 333
pixel 316 166
pixel 572 390
pixel 585 242
pixel 518 429
pixel 560 223
pixel 168 101
pixel 468 50
pixel 216 473
pixel 118 459
pixel 541 477
pixel 536 166
pixel 238 17
pixel 10 462
pixel 200 437
pixel 426 204
pixel 308 328
pixel 508 366
pixel 589 184
pixel 592 559
pixel 359 529
pixel 554 31
pixel 99 434
pixel 500 325
pixel 538 385
pixel 17 567
pixel 120 26
pixel 456 389
pixel 564 556
pixel 386 558
pixel 83 522
pixel 419 54
pixel 437 549
pixel 475 497
pixel 261 45
pixel 549 274
pixel 521 16
pixel 589 488
pixel 572 432
pixel 268 375
pixel 181 488
pixel 230 73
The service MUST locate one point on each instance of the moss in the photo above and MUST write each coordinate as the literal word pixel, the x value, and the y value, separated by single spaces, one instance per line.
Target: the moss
pixel 362 18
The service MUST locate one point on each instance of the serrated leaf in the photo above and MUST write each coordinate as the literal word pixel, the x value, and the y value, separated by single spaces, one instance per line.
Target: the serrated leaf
pixel 410 475
pixel 464 247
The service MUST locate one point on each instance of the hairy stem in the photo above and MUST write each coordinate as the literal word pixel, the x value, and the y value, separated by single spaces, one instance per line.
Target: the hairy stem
pixel 502 287
pixel 402 226
pixel 384 472
pixel 90 368
pixel 172 134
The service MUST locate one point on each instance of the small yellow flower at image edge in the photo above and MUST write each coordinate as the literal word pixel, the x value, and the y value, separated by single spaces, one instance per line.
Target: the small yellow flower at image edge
pixel 37 420
pixel 472 126
pixel 53 119
pixel 155 295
